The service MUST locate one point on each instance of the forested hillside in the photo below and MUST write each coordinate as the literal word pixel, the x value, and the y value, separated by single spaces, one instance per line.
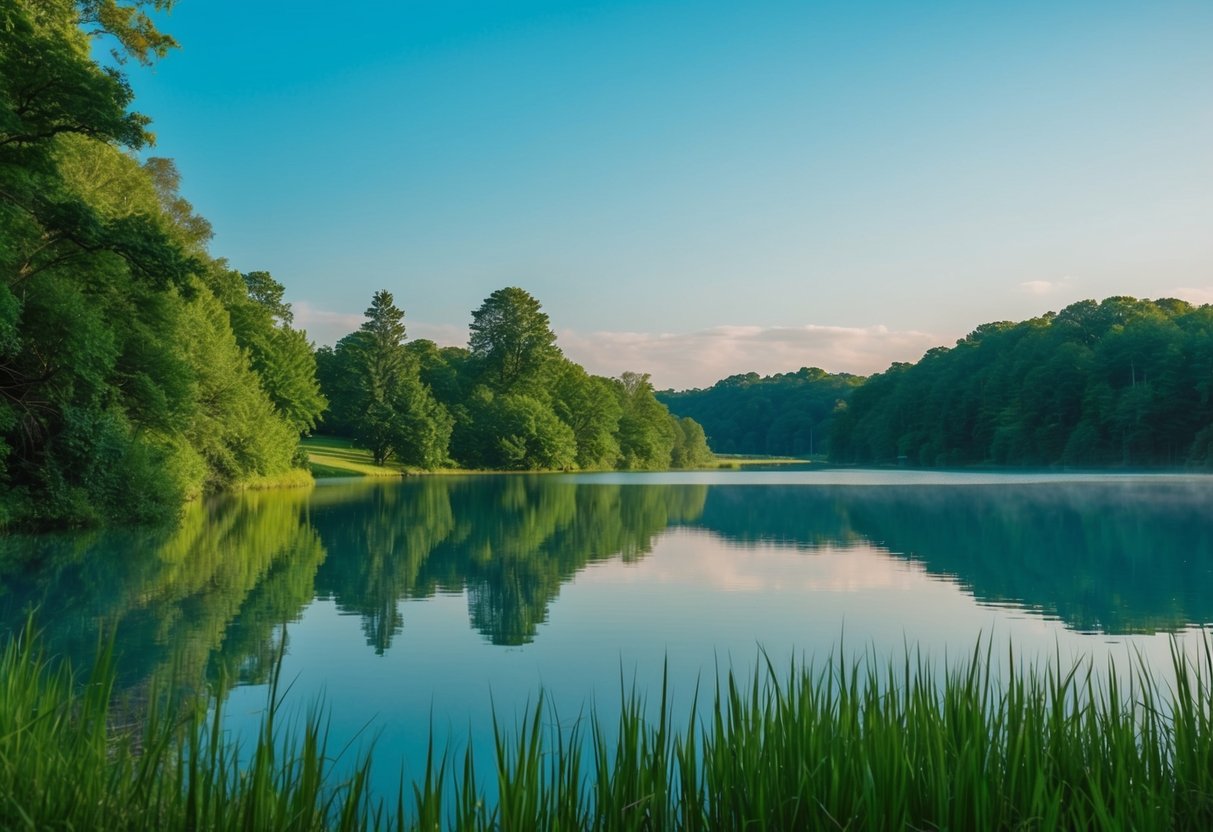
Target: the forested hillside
pixel 509 401
pixel 1123 382
pixel 787 414
pixel 136 370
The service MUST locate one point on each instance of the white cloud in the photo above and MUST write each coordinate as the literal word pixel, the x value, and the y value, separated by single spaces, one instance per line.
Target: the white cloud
pixel 682 360
pixel 1045 287
pixel 699 359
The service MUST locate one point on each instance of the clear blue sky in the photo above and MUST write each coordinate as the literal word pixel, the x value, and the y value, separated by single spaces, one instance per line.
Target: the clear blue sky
pixel 697 189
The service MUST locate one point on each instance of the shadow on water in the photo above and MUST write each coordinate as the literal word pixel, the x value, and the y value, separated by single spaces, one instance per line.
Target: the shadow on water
pixel 1109 557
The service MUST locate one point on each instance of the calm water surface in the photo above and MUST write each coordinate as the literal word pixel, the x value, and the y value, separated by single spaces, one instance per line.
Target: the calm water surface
pixel 425 602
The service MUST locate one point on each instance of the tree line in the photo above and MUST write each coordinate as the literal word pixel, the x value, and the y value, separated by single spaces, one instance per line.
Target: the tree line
pixel 1122 382
pixel 510 400
pixel 136 370
pixel 1114 383
pixel 786 414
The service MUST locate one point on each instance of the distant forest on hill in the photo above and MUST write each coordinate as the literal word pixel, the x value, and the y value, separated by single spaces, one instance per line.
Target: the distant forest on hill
pixel 788 414
pixel 1122 382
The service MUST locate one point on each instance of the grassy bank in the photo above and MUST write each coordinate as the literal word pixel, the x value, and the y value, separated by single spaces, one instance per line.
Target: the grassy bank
pixel 330 456
pixel 746 460
pixel 848 746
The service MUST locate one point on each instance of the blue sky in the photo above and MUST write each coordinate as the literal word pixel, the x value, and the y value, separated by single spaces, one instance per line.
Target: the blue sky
pixel 698 189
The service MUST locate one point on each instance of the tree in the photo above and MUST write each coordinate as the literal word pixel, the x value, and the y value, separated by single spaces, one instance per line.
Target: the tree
pixel 589 406
pixel 391 411
pixel 281 356
pixel 512 340
pixel 690 444
pixel 646 433
pixel 382 364
pixel 786 414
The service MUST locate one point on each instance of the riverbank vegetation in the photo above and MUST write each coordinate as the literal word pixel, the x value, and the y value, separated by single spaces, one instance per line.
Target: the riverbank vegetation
pixel 136 369
pixel 984 744
pixel 509 401
pixel 330 456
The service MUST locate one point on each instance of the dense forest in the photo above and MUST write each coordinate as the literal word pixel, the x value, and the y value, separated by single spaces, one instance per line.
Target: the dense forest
pixel 787 414
pixel 136 370
pixel 509 401
pixel 1122 382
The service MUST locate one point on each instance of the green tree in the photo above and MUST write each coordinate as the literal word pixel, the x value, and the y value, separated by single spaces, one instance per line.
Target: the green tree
pixel 646 433
pixel 512 340
pixel 589 406
pixel 392 412
pixel 281 355
pixel 1115 382
pixel 382 365
pixel 690 444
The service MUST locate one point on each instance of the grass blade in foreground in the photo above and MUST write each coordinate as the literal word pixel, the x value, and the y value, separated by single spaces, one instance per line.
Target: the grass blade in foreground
pixel 982 744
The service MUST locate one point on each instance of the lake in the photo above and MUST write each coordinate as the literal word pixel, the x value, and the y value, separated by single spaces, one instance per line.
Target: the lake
pixel 420 605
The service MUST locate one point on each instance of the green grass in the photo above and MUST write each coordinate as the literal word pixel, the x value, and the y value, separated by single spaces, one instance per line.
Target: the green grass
pixel 744 460
pixel 984 744
pixel 333 457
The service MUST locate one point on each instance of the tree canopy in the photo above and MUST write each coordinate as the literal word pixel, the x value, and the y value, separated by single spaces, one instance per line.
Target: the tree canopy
pixel 1120 382
pixel 787 414
pixel 512 339
pixel 510 401
pixel 135 369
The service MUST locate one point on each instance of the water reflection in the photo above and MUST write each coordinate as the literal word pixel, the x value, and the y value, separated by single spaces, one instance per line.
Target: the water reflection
pixel 1109 557
pixel 1103 556
pixel 206 595
pixel 510 542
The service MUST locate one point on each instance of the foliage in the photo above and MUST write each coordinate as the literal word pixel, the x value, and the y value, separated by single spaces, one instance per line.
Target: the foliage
pixel 1120 382
pixel 380 398
pixel 125 387
pixel 281 356
pixel 787 414
pixel 647 433
pixel 589 406
pixel 509 401
pixel 512 341
pixel 690 444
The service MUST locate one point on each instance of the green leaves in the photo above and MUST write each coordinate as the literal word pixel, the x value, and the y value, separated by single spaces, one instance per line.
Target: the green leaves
pixel 508 402
pixel 1119 382
pixel 512 340
pixel 51 87
pixel 377 394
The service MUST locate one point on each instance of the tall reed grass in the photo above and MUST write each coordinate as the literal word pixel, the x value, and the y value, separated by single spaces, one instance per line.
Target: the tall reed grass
pixel 985 743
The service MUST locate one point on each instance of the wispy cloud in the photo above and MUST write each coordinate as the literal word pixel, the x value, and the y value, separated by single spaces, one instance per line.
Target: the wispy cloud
pixel 1046 287
pixel 324 326
pixel 688 359
pixel 698 359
